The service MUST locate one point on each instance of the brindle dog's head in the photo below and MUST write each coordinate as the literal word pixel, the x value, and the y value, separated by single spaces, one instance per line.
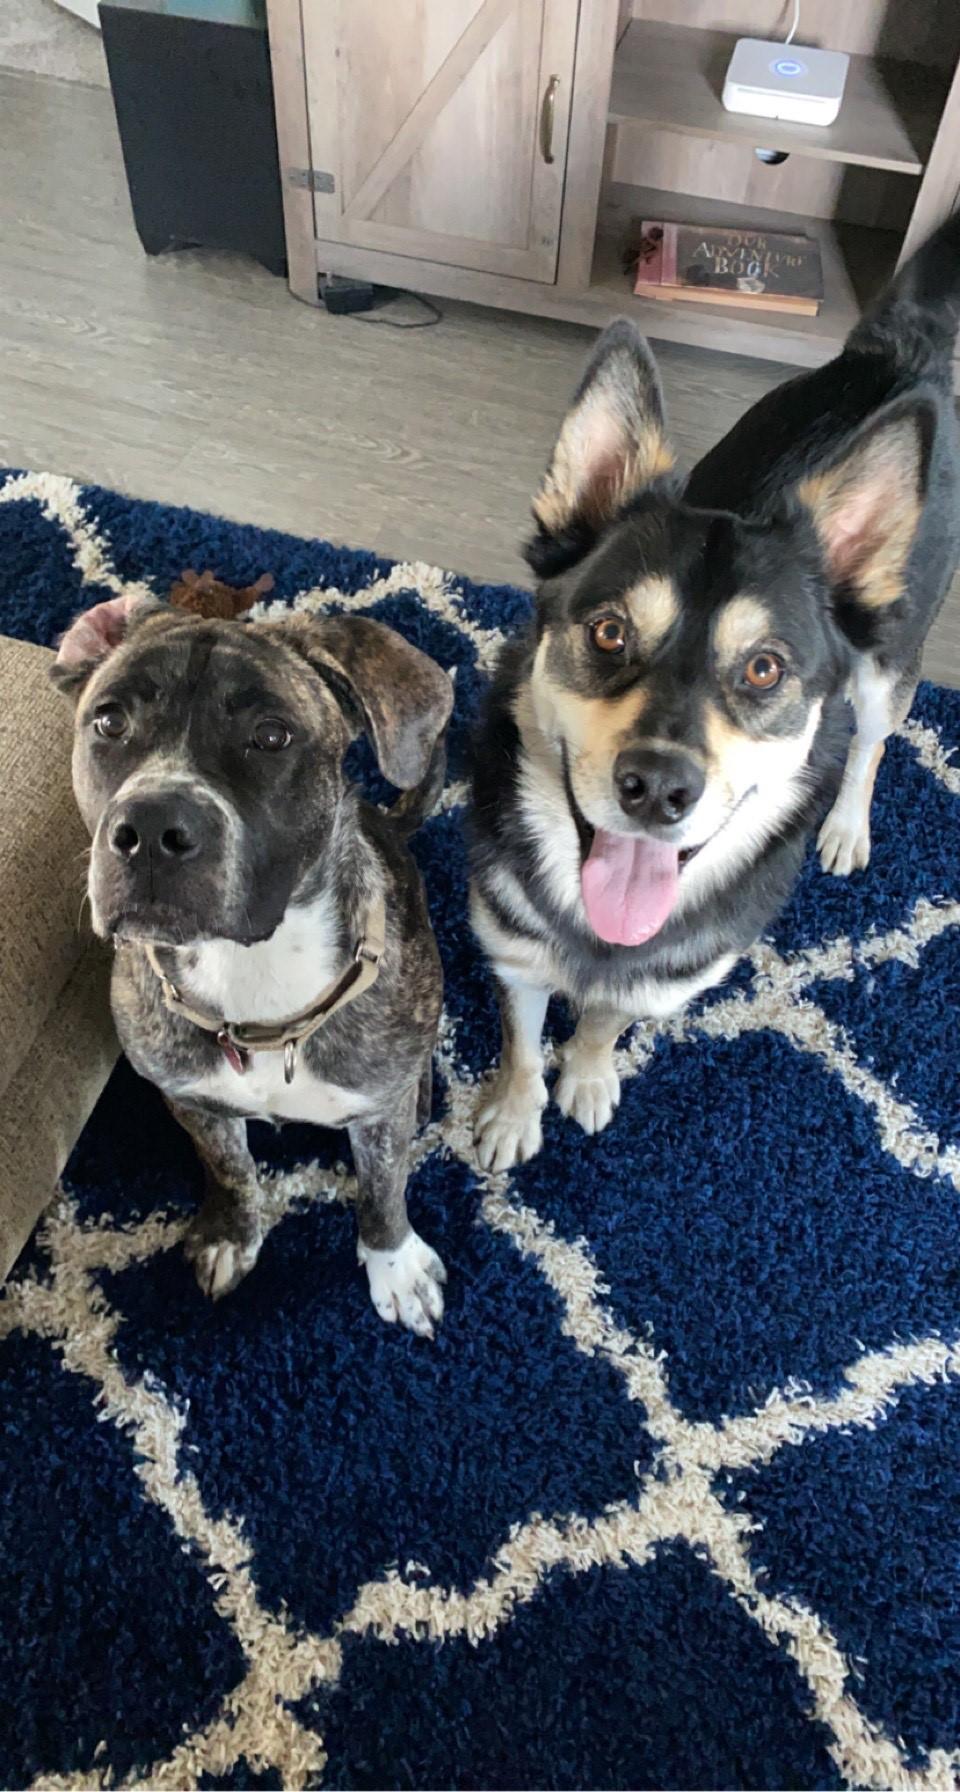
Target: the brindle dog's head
pixel 684 656
pixel 207 757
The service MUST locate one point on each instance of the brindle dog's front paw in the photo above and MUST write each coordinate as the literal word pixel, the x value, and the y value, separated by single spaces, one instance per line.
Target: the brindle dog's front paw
pixel 406 1284
pixel 221 1248
pixel 507 1128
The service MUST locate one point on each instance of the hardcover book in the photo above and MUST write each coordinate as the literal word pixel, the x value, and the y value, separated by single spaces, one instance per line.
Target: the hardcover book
pixel 761 269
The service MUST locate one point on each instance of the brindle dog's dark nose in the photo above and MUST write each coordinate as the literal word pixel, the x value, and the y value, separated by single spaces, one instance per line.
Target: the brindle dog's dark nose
pixel 657 784
pixel 171 828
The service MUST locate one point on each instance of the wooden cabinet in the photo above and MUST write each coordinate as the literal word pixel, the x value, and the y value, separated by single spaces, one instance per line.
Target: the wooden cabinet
pixel 440 131
pixel 504 151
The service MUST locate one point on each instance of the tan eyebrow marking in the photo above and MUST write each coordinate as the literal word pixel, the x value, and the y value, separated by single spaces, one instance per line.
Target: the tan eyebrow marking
pixel 653 607
pixel 740 625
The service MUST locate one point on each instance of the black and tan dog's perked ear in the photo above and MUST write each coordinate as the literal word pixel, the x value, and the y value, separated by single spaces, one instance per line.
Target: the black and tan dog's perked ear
pixel 866 507
pixel 386 688
pixel 610 448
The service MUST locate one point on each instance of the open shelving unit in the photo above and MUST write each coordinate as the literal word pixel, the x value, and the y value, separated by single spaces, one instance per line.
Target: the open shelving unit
pixel 855 262
pixel 670 77
pixel 898 127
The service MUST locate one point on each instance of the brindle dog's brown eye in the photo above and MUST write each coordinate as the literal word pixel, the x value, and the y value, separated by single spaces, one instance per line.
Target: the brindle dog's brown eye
pixel 271 736
pixel 763 672
pixel 607 634
pixel 110 722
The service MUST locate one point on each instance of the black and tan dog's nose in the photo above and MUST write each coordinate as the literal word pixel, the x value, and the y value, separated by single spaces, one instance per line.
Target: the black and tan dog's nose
pixel 657 784
pixel 171 828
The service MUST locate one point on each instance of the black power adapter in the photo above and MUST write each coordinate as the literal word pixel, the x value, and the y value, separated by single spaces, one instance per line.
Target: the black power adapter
pixel 341 295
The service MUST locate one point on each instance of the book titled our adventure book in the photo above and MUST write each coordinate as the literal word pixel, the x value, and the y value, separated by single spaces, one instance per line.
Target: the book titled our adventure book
pixel 760 269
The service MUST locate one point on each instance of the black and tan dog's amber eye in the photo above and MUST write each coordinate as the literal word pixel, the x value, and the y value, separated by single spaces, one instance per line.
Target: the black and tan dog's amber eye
pixel 763 672
pixel 607 634
pixel 110 722
pixel 271 736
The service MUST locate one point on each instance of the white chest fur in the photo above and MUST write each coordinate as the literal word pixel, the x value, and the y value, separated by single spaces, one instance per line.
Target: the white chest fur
pixel 268 982
pixel 261 1093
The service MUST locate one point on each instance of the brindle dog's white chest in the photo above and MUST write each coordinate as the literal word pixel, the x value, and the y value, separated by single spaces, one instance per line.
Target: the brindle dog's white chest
pixel 261 1093
pixel 268 982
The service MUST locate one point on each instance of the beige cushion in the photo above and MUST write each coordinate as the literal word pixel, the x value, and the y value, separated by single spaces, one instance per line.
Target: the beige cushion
pixel 49 1097
pixel 57 1043
pixel 43 847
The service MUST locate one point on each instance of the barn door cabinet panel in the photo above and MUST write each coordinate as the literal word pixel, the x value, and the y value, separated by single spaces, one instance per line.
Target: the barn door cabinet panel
pixel 503 151
pixel 439 131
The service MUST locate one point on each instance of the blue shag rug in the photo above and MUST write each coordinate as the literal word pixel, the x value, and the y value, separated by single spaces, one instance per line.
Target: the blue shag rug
pixel 673 1501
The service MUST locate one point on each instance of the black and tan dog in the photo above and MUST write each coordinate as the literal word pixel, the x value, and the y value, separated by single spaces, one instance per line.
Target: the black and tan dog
pixel 276 959
pixel 658 749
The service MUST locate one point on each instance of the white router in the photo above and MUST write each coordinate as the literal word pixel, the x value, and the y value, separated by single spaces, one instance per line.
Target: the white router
pixel 770 80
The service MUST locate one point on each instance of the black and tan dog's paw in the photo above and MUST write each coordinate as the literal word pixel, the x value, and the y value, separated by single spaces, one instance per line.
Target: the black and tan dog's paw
pixel 221 1250
pixel 507 1129
pixel 588 1088
pixel 844 840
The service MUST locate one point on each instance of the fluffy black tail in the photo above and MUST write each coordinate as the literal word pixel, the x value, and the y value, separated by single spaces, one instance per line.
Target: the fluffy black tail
pixel 916 318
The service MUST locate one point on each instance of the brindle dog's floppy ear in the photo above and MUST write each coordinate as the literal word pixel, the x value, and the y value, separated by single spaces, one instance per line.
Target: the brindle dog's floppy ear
pixel 610 448
pixel 93 635
pixel 867 503
pixel 402 698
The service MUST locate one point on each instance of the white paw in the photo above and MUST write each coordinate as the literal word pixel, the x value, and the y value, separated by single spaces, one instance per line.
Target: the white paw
pixel 588 1089
pixel 844 843
pixel 219 1267
pixel 406 1284
pixel 507 1128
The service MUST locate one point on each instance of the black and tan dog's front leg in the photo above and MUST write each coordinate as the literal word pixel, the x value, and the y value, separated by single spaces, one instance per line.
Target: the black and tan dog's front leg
pixel 588 1087
pixel 223 1241
pixel 507 1129
pixel 881 700
pixel 406 1276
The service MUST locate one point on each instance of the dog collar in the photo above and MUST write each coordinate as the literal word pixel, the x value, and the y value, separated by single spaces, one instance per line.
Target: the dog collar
pixel 238 1040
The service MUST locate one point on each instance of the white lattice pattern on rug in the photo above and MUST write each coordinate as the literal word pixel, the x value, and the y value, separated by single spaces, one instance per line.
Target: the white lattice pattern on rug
pixel 284 1663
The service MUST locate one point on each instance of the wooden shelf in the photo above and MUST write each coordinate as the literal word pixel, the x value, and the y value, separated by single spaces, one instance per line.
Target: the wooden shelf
pixel 795 341
pixel 856 262
pixel 670 78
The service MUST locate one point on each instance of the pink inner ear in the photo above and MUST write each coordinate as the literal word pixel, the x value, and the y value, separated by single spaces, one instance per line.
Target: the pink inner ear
pixel 97 632
pixel 605 484
pixel 854 528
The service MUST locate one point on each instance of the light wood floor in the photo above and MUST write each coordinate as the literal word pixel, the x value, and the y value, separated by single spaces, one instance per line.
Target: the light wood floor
pixel 196 379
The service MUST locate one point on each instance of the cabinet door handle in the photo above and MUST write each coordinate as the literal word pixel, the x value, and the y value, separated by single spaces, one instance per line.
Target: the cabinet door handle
pixel 547 111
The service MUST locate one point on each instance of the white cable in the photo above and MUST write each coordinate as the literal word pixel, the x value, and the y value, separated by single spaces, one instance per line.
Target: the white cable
pixel 796 22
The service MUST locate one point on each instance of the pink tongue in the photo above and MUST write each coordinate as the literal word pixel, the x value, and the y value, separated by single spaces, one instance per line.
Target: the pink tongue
pixel 629 887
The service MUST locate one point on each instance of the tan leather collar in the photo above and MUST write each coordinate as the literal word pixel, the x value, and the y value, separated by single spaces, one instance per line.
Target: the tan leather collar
pixel 238 1040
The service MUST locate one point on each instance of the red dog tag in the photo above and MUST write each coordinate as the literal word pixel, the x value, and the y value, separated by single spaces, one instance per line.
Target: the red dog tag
pixel 236 1057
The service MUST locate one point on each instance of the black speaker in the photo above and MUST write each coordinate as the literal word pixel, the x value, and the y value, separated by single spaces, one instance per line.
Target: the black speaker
pixel 194 105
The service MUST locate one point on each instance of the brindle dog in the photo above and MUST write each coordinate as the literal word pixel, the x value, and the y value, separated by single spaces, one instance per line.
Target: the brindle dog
pixel 236 870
